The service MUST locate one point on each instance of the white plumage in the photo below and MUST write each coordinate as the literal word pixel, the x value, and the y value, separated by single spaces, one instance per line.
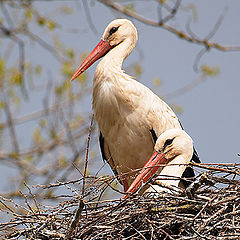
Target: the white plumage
pixel 172 152
pixel 129 115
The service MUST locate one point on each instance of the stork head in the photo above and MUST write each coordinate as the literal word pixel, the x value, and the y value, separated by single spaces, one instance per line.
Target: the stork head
pixel 117 32
pixel 174 142
pixel 170 144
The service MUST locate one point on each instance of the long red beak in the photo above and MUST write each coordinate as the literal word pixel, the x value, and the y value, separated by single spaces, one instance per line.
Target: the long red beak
pixel 146 173
pixel 100 50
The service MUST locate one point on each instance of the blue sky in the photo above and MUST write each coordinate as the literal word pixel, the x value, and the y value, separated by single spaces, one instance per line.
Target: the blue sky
pixel 210 113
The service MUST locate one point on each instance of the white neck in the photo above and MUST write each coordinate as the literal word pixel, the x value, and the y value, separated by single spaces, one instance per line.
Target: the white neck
pixel 113 60
pixel 109 80
pixel 174 169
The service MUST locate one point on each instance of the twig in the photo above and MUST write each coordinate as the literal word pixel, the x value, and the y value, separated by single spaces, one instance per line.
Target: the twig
pixel 87 151
pixel 208 45
pixel 75 220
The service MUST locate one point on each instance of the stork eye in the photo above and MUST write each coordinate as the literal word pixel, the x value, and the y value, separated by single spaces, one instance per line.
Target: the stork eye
pixel 168 142
pixel 113 30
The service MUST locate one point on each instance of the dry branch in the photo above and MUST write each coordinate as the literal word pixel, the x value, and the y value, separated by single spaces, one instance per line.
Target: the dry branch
pixel 162 23
pixel 212 212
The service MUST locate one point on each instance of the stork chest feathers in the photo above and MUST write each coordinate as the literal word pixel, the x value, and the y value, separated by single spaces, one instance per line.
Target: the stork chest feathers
pixel 113 99
pixel 119 112
pixel 120 101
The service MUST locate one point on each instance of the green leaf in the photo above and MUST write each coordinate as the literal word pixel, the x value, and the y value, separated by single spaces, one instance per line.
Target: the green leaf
pixel 2 126
pixel 63 162
pixel 28 158
pixel 53 133
pixel 210 71
pixel 82 78
pixel 51 25
pixel 77 121
pixel 2 104
pixel 28 15
pixel 37 136
pixel 2 70
pixel 67 69
pixel 70 53
pixel 130 7
pixel 59 90
pixel 41 21
pixel 43 123
pixel 16 78
pixel 11 93
pixel 156 81
pixel 38 70
pixel 178 108
pixel 138 69
pixel 13 155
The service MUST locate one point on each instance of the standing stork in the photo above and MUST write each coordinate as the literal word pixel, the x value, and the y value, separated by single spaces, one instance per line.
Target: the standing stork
pixel 130 116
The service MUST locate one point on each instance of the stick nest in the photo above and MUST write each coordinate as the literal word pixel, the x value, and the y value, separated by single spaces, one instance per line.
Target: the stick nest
pixel 208 209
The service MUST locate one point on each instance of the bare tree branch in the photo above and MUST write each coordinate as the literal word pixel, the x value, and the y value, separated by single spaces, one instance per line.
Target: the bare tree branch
pixel 181 34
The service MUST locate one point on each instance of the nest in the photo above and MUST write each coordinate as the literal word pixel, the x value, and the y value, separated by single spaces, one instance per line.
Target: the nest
pixel 208 209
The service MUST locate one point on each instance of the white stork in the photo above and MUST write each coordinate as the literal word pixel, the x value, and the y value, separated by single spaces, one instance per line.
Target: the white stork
pixel 130 116
pixel 172 152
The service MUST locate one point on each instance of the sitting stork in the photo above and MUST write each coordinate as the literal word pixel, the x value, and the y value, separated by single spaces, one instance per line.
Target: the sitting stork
pixel 172 153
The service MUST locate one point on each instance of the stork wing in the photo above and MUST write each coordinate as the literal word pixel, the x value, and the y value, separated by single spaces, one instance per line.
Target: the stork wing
pixel 195 157
pixel 189 173
pixel 106 155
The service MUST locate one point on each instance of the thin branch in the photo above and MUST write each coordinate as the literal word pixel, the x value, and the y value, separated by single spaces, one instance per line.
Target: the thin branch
pixel 11 128
pixel 89 18
pixel 87 151
pixel 45 45
pixel 182 90
pixel 172 13
pixel 179 33
pixel 217 24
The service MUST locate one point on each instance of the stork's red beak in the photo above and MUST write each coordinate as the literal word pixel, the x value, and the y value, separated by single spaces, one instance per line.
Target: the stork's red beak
pixel 146 173
pixel 100 50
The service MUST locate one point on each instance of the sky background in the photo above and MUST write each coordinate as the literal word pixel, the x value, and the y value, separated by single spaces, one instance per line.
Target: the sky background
pixel 210 111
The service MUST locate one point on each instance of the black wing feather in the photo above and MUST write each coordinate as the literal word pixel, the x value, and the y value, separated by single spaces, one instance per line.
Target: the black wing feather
pixel 101 141
pixel 195 157
pixel 154 135
pixel 189 173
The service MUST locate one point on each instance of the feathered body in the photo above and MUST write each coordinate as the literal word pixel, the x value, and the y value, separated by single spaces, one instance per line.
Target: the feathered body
pixel 129 115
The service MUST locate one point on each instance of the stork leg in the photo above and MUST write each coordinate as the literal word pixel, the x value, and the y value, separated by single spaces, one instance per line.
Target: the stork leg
pixel 125 183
